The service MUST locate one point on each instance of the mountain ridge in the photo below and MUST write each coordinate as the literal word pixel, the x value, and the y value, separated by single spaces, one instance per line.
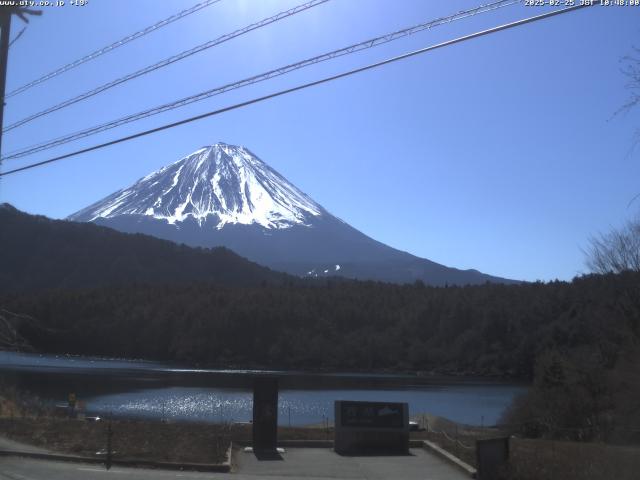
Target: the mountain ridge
pixel 37 252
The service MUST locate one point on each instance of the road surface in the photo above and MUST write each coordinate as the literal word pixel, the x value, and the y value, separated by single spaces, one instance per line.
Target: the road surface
pixel 310 463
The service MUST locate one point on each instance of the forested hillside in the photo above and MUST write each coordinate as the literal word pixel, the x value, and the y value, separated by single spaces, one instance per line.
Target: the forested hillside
pixel 37 252
pixel 487 330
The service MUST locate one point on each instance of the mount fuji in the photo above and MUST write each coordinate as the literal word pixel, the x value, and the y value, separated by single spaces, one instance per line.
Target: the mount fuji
pixel 224 195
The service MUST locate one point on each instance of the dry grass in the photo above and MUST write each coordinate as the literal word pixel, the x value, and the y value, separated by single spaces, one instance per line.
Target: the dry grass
pixel 139 440
pixel 541 459
pixel 8 408
pixel 241 433
pixel 465 434
pixel 305 433
pixel 558 460
pixel 166 442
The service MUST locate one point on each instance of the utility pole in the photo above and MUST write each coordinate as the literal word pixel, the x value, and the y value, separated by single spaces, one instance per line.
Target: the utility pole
pixel 5 27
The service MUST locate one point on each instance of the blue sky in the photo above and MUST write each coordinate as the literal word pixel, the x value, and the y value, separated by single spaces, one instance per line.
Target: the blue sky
pixel 501 154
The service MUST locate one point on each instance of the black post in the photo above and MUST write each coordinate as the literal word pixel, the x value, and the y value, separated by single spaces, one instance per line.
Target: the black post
pixel 109 436
pixel 5 26
pixel 265 415
pixel 492 457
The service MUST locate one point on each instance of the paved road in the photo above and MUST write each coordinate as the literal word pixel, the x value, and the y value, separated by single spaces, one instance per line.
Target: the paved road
pixel 6 444
pixel 309 463
pixel 15 468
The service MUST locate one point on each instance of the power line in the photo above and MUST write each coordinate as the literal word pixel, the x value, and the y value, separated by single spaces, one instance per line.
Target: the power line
pixel 168 61
pixel 464 38
pixel 370 43
pixel 113 46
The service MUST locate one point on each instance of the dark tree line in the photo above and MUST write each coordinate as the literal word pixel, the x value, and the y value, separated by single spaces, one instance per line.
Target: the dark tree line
pixel 484 330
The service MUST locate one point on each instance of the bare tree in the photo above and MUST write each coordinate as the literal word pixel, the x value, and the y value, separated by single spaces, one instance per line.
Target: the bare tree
pixel 616 251
pixel 631 69
pixel 10 338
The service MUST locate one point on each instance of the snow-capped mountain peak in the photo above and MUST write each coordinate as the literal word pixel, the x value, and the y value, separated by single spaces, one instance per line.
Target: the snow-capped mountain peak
pixel 224 183
pixel 224 195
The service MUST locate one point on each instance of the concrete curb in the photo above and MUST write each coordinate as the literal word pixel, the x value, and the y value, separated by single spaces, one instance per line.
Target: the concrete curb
pixel 319 443
pixel 451 459
pixel 229 461
pixel 51 456
pixel 296 444
pixel 306 443
pixel 224 467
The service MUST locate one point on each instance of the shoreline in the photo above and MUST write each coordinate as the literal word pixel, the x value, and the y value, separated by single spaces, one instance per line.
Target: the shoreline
pixel 151 367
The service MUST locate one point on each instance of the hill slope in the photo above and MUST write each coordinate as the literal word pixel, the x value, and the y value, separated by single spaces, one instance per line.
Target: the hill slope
pixel 37 252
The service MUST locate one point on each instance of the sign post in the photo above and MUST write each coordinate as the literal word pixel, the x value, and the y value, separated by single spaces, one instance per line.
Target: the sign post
pixel 72 405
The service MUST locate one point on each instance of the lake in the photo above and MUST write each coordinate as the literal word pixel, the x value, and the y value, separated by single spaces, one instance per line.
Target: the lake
pixel 142 389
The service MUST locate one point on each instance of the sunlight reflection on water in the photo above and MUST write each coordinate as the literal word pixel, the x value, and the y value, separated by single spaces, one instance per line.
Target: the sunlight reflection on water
pixel 468 404
pixel 112 392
